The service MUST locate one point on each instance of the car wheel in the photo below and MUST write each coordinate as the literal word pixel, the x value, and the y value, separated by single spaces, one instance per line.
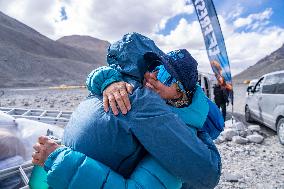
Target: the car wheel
pixel 248 115
pixel 280 130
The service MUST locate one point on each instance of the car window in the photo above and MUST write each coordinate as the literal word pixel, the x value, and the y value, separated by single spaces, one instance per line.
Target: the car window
pixel 270 84
pixel 280 86
pixel 258 86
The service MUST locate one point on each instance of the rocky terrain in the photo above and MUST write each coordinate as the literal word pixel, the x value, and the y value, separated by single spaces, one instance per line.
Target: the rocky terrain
pixel 28 58
pixel 256 163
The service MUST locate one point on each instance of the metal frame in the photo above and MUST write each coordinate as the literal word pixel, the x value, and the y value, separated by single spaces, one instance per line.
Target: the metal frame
pixel 21 170
pixel 53 117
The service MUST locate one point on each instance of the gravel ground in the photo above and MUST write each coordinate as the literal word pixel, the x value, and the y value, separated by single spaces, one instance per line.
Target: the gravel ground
pixel 42 98
pixel 256 166
pixel 259 166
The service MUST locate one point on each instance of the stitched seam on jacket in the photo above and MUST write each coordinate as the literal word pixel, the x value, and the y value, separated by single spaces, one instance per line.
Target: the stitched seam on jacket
pixel 79 165
pixel 126 158
pixel 136 183
pixel 155 177
pixel 104 182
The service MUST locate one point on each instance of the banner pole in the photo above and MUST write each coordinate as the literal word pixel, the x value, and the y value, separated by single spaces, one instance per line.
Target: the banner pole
pixel 232 114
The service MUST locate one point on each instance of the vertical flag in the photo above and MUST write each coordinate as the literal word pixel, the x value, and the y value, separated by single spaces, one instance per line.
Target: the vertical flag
pixel 214 42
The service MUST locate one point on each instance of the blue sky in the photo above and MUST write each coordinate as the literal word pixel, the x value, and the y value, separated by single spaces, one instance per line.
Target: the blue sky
pixel 225 8
pixel 252 29
pixel 253 6
pixel 245 14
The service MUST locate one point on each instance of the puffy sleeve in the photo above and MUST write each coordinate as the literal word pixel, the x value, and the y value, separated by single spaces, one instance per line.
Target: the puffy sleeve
pixel 70 169
pixel 100 78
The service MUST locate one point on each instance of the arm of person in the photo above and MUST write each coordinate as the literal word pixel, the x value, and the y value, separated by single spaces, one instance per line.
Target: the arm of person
pixel 100 78
pixel 169 140
pixel 70 169
pixel 99 82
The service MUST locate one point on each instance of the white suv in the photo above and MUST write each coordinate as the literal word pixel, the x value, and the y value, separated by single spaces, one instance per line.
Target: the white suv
pixel 265 102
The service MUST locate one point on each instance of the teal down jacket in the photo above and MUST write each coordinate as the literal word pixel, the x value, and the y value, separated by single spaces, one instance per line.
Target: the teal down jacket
pixel 99 142
pixel 77 171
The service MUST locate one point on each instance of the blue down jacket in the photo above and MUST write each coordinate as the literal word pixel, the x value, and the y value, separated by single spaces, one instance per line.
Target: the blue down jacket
pixel 99 143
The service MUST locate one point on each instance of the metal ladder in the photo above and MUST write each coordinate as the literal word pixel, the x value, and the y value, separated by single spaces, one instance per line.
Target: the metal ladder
pixel 23 171
pixel 53 117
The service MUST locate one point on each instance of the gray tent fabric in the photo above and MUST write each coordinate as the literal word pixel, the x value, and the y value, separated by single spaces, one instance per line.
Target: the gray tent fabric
pixel 10 144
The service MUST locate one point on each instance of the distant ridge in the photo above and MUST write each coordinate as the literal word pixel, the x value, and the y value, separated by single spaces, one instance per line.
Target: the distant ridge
pixel 28 58
pixel 270 63
pixel 88 44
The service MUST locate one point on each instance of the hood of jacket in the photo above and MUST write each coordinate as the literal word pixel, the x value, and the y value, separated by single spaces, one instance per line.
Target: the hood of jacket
pixel 126 55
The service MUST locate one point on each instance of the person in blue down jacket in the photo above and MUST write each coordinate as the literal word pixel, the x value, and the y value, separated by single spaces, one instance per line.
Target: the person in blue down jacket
pixel 102 149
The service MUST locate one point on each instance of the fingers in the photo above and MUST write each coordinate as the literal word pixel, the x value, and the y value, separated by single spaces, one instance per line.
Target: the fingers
pixel 154 83
pixel 43 148
pixel 112 103
pixel 36 156
pixel 147 75
pixel 129 88
pixel 125 99
pixel 37 159
pixel 153 75
pixel 42 139
pixel 120 102
pixel 116 97
pixel 37 147
pixel 105 102
pixel 150 86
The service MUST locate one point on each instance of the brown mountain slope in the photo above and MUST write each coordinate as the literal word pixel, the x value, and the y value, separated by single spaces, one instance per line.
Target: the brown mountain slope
pixel 28 58
pixel 270 63
pixel 90 45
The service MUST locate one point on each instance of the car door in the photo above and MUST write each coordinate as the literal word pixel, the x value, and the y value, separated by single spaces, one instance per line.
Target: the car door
pixel 253 100
pixel 279 109
pixel 268 100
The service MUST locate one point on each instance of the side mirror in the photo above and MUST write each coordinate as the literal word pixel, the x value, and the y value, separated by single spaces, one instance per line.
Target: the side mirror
pixel 250 89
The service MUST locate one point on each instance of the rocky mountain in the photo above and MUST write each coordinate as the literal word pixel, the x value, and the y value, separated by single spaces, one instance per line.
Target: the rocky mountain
pixel 270 63
pixel 28 58
pixel 89 45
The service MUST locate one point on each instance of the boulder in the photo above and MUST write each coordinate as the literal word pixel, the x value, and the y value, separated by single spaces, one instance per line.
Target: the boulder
pixel 220 140
pixel 254 128
pixel 240 140
pixel 229 133
pixel 232 177
pixel 243 133
pixel 255 138
pixel 239 126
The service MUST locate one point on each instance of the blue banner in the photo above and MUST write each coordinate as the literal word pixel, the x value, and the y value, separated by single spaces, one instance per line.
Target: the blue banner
pixel 214 42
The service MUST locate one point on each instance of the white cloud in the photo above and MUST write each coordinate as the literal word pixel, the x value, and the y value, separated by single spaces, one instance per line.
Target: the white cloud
pixel 236 12
pixel 254 18
pixel 111 19
pixel 32 13
pixel 107 20
pixel 244 49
